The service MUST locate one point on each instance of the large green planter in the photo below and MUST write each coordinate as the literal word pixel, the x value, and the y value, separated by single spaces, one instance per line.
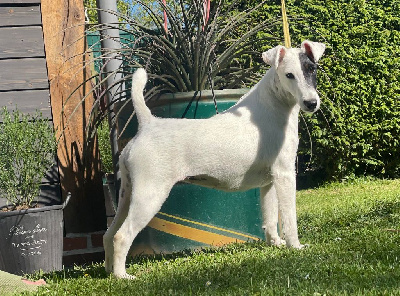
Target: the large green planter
pixel 195 216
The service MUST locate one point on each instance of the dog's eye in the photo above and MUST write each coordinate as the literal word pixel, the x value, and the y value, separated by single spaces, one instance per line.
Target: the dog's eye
pixel 290 75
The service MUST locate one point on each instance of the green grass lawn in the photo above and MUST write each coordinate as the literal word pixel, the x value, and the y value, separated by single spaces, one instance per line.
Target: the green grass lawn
pixel 353 232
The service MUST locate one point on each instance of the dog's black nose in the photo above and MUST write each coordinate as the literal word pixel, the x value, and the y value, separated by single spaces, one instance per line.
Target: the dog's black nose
pixel 311 104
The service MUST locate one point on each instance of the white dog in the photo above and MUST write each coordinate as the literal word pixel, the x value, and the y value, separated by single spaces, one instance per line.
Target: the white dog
pixel 253 144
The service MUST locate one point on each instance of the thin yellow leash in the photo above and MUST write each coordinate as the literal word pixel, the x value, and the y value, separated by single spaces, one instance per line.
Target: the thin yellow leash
pixel 285 25
pixel 286 35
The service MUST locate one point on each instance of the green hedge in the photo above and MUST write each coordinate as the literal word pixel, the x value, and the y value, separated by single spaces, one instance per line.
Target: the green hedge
pixel 357 130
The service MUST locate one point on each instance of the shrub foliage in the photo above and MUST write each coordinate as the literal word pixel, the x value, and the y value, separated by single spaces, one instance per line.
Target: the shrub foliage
pixel 27 151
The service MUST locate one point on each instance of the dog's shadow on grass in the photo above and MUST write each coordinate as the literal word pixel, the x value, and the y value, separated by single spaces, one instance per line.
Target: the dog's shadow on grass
pixel 187 253
pixel 94 270
pixel 97 271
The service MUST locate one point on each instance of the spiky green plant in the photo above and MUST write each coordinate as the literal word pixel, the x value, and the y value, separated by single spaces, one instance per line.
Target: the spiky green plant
pixel 194 53
pixel 191 54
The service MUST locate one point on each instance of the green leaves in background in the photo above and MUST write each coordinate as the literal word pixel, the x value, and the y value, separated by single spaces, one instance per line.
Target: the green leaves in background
pixel 357 130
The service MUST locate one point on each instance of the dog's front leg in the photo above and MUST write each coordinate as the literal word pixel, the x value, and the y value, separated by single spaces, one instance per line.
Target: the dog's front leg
pixel 269 207
pixel 285 186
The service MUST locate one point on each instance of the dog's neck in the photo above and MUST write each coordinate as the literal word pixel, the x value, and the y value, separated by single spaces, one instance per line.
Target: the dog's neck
pixel 270 101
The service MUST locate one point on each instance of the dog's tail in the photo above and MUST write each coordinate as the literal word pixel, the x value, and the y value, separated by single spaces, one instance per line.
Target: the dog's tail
pixel 139 80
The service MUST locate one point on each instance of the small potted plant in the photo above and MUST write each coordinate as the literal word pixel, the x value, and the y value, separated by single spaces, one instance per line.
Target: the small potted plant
pixel 31 236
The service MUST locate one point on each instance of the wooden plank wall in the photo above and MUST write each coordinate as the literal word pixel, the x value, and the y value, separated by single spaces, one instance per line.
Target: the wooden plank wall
pixel 38 44
pixel 23 73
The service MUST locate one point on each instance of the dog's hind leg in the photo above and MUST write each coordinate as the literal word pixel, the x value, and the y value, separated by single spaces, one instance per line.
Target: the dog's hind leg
pixel 120 216
pixel 269 206
pixel 146 200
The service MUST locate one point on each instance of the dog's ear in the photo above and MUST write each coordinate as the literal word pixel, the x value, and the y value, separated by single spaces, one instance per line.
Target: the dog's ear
pixel 274 56
pixel 314 50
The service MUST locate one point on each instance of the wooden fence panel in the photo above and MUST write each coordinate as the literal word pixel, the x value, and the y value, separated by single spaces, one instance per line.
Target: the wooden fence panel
pixel 20 1
pixel 20 16
pixel 27 101
pixel 22 42
pixel 23 74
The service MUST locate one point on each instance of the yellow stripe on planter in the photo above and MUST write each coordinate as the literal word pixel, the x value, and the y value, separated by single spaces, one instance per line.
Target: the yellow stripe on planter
pixel 195 234
pixel 210 226
pixel 187 232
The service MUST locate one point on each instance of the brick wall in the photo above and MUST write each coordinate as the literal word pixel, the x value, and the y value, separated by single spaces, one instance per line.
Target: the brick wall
pixel 83 248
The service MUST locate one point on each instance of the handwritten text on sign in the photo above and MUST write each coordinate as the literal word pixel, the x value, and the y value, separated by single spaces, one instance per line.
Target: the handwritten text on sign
pixel 30 245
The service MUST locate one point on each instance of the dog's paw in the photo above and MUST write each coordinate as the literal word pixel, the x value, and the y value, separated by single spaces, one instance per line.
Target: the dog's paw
pixel 276 242
pixel 124 276
pixel 281 243
pixel 303 246
pixel 299 246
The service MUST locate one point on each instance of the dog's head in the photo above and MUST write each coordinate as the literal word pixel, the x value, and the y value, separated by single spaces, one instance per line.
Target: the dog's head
pixel 297 71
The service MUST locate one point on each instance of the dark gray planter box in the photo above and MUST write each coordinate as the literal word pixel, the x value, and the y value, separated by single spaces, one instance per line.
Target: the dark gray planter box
pixel 31 240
